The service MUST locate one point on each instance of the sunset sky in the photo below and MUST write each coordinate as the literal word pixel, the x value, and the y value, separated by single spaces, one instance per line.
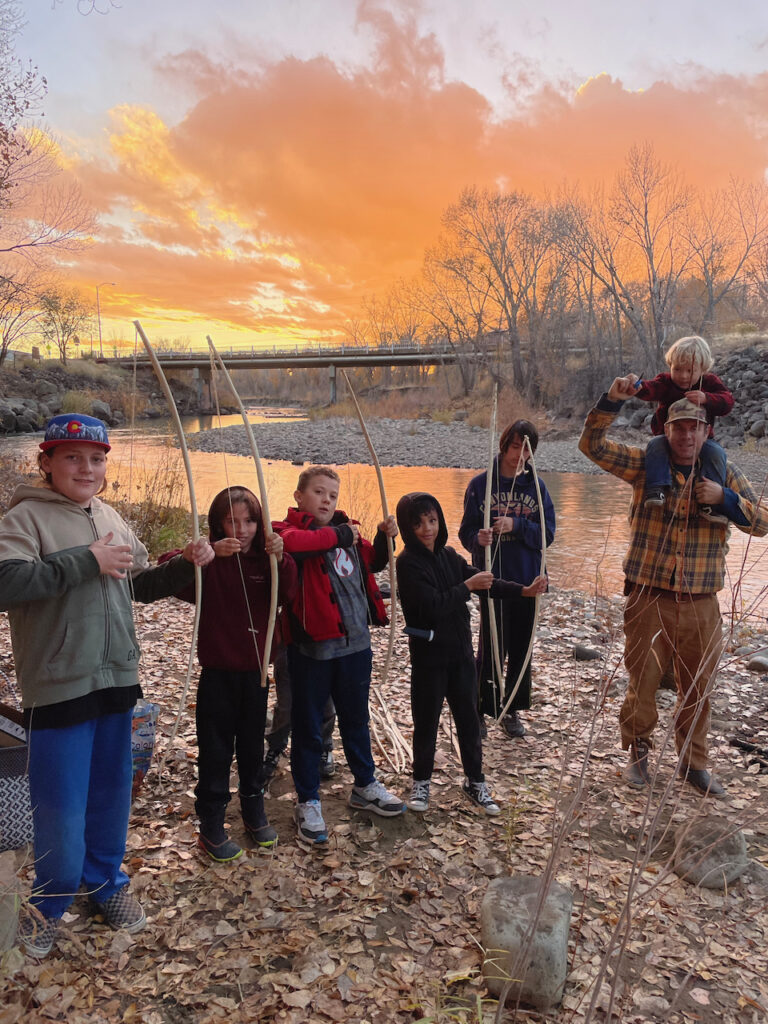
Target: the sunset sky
pixel 260 166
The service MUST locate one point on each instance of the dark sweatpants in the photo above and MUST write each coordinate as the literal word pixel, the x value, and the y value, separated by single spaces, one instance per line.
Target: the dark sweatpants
pixel 514 620
pixel 430 686
pixel 231 713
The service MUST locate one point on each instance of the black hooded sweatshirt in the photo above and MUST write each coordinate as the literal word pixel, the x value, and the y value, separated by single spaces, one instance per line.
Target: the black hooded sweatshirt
pixel 433 594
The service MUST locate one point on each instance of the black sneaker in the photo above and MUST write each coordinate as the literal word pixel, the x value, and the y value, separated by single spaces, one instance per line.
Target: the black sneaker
pixel 327 765
pixel 512 725
pixel 479 794
pixel 655 498
pixel 214 841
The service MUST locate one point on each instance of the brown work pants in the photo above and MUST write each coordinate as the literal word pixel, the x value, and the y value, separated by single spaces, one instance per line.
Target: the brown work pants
pixel 659 630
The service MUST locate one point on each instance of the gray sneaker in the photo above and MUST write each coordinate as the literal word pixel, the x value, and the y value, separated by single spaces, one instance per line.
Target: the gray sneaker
pixel 309 821
pixel 38 934
pixel 122 910
pixel 375 797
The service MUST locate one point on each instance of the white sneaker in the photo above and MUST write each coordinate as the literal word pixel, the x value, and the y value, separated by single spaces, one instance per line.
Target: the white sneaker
pixel 375 797
pixel 309 821
pixel 419 795
pixel 479 794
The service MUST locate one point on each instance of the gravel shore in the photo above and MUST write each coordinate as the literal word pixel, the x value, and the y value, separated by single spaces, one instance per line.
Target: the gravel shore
pixel 414 443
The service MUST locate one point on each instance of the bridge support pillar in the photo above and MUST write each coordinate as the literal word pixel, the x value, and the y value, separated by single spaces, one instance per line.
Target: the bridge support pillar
pixel 202 379
pixel 332 378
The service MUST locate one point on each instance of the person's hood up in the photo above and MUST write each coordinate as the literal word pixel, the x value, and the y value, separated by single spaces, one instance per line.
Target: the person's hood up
pixel 404 525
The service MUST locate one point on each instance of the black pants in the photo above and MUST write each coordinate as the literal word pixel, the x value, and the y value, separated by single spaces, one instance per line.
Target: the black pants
pixel 429 688
pixel 231 713
pixel 514 622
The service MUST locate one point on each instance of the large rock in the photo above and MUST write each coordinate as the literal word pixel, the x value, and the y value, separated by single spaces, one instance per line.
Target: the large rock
pixel 102 410
pixel 710 853
pixel 535 963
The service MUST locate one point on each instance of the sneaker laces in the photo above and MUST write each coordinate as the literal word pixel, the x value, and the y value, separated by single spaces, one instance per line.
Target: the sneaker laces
pixel 420 791
pixel 482 793
pixel 377 791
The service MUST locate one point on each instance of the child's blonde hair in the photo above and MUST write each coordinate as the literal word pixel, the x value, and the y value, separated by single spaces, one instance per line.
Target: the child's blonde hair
pixel 314 471
pixel 692 350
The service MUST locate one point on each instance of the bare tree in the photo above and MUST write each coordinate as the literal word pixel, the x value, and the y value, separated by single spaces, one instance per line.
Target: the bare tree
pixel 19 308
pixel 64 314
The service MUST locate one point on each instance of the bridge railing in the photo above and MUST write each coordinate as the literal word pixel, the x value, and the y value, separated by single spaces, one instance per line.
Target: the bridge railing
pixel 402 347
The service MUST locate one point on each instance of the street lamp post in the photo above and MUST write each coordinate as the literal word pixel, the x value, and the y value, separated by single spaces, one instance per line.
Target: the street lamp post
pixel 98 312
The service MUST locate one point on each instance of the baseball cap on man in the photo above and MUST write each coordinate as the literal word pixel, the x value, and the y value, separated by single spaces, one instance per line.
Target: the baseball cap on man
pixel 683 409
pixel 75 427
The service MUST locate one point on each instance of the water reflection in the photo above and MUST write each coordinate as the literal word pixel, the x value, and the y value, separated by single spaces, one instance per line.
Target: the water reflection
pixel 592 529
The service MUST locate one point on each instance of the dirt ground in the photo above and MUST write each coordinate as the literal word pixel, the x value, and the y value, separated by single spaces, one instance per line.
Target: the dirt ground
pixel 382 925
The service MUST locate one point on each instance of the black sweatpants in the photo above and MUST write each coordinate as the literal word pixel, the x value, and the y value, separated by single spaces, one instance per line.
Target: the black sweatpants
pixel 514 621
pixel 231 714
pixel 430 686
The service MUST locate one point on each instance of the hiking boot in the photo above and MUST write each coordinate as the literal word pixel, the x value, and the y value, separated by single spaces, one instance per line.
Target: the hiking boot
pixel 38 934
pixel 375 797
pixel 271 761
pixel 214 841
pixel 512 725
pixel 309 821
pixel 705 512
pixel 479 794
pixel 122 910
pixel 656 497
pixel 327 765
pixel 255 820
pixel 700 779
pixel 419 796
pixel 636 772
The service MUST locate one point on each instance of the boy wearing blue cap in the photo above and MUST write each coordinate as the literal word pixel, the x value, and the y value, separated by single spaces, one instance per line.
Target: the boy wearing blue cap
pixel 69 569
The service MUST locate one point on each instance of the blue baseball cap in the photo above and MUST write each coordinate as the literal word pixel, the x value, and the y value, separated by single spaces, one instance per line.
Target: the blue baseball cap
pixel 74 427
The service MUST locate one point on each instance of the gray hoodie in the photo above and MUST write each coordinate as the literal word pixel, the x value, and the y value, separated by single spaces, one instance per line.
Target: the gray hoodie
pixel 71 627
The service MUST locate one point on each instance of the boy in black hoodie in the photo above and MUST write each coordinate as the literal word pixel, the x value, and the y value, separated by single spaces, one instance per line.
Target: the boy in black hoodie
pixel 435 584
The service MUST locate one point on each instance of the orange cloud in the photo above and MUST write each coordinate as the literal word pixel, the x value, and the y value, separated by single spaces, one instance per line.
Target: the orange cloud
pixel 288 193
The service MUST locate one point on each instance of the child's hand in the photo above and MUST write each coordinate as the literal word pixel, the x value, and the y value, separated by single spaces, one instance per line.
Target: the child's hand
pixel 480 581
pixel 199 552
pixel 388 526
pixel 114 559
pixel 697 397
pixel 708 492
pixel 504 524
pixel 226 546
pixel 485 538
pixel 539 586
pixel 273 545
pixel 355 532
pixel 623 387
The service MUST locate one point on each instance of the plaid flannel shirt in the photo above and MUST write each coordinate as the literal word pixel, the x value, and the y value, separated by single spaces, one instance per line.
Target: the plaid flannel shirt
pixel 672 547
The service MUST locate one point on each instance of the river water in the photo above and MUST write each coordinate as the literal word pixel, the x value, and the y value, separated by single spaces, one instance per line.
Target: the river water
pixel 591 509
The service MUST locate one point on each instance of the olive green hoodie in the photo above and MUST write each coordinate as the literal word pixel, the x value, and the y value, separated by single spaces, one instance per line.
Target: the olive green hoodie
pixel 72 627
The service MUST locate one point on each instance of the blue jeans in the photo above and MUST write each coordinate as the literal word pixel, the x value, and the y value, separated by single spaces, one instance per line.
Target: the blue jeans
pixel 658 473
pixel 347 680
pixel 80 787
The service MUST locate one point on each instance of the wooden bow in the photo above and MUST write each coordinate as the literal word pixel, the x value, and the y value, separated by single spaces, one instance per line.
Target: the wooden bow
pixel 163 381
pixel 492 627
pixel 265 516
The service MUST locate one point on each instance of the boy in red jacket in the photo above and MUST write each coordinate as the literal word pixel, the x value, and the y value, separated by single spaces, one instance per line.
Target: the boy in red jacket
pixel 330 649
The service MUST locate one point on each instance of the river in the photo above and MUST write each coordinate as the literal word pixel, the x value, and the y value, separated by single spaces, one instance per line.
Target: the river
pixel 591 509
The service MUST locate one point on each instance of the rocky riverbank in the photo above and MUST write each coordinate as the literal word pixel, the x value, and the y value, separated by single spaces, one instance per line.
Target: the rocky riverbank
pixel 339 441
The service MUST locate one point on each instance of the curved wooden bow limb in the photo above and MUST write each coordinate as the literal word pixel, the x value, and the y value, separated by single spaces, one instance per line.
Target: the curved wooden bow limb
pixel 492 627
pixel 163 382
pixel 265 516
pixel 542 570
pixel 396 734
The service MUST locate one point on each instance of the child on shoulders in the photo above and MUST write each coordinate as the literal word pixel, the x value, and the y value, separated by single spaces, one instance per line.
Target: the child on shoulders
pixel 689 361
pixel 435 583
pixel 330 646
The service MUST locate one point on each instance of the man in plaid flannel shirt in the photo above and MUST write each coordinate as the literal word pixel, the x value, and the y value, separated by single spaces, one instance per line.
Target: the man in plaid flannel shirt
pixel 674 567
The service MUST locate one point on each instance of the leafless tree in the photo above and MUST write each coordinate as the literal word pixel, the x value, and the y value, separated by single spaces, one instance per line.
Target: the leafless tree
pixel 64 314
pixel 19 307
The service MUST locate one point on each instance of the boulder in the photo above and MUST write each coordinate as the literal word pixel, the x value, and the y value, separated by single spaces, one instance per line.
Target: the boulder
pixel 710 853
pixel 582 653
pixel 537 960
